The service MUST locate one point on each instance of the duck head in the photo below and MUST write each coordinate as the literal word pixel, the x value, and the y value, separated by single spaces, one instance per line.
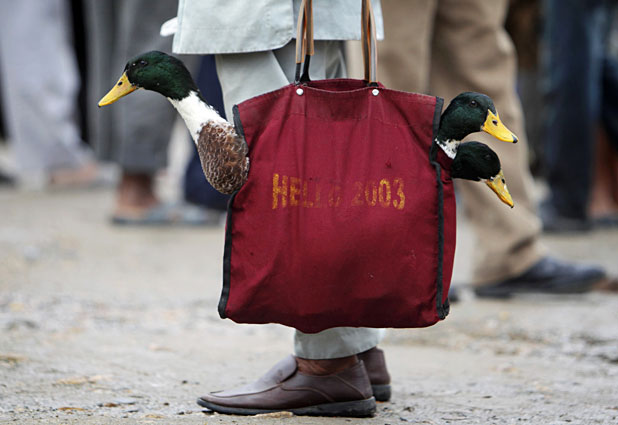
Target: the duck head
pixel 468 113
pixel 477 161
pixel 154 71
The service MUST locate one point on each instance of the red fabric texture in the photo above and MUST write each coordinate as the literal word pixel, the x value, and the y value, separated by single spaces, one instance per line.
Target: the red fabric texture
pixel 337 224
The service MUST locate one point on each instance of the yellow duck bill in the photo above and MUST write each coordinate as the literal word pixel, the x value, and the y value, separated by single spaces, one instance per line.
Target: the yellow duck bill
pixel 498 185
pixel 494 126
pixel 122 88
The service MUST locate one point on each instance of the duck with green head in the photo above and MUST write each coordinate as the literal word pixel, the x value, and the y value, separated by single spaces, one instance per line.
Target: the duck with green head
pixel 469 113
pixel 476 161
pixel 223 153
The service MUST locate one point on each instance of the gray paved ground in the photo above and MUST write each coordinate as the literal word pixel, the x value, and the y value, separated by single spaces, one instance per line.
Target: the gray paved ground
pixel 108 325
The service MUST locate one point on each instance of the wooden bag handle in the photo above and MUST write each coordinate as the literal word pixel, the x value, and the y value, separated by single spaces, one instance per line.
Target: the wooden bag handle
pixel 305 44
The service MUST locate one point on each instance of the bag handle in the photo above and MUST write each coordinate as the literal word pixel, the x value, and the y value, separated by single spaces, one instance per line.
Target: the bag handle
pixel 304 41
pixel 305 44
pixel 370 49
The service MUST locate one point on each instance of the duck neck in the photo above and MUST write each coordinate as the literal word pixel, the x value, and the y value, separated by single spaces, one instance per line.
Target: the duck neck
pixel 449 146
pixel 196 112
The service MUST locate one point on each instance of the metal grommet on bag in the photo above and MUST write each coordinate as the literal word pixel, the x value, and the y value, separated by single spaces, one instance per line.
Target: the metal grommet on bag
pixel 299 91
pixel 375 92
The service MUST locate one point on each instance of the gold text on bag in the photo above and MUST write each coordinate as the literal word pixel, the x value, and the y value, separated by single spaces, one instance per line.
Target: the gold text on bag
pixel 289 191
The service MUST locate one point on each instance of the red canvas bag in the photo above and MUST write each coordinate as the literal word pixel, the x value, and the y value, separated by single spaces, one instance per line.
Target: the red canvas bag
pixel 348 215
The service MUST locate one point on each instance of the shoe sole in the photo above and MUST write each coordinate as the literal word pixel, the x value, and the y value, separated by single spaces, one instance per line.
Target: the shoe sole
pixel 381 392
pixel 353 409
pixel 506 292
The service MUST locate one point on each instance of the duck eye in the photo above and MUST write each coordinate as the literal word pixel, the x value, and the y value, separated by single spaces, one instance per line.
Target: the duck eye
pixel 133 64
pixel 142 62
pixel 473 103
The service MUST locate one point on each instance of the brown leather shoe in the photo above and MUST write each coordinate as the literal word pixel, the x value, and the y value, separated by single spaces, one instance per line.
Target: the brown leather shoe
pixel 375 364
pixel 284 388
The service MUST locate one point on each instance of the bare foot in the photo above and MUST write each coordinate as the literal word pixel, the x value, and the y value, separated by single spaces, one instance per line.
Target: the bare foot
pixel 605 184
pixel 135 194
pixel 74 178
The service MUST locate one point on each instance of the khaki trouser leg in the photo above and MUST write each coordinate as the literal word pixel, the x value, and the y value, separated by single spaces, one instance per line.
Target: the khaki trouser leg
pixel 470 51
pixel 405 53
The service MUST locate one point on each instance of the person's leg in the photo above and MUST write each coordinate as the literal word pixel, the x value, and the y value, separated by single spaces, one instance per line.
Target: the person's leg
pixel 100 27
pixel 444 54
pixel 466 58
pixel 336 342
pixel 320 356
pixel 603 208
pixel 609 105
pixel 105 62
pixel 243 76
pixel 573 68
pixel 135 134
pixel 603 203
pixel 143 123
pixel 405 53
pixel 40 83
pixel 472 52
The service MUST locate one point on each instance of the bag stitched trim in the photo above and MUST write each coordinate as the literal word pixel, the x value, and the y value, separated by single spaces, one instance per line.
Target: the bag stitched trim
pixel 227 248
pixel 442 308
pixel 227 260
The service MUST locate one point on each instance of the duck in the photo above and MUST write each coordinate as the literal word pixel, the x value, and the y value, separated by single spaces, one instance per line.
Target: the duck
pixel 224 153
pixel 476 161
pixel 467 113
